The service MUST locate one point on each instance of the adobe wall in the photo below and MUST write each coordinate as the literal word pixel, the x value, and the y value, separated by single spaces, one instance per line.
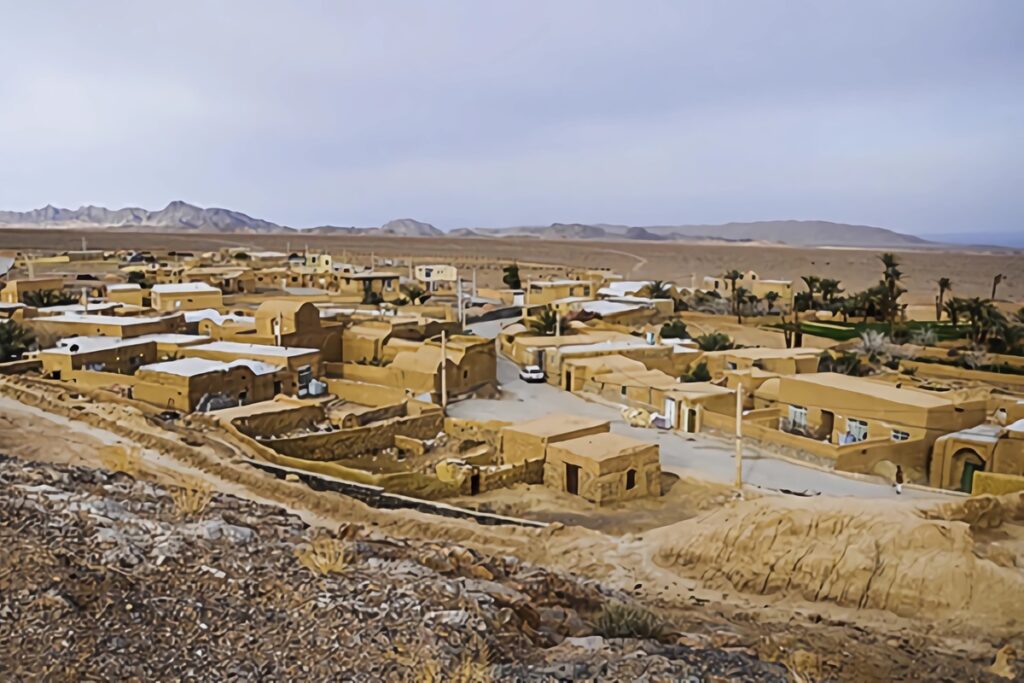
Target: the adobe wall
pixel 996 484
pixel 363 393
pixel 486 431
pixel 348 442
pixel 609 487
pixel 287 418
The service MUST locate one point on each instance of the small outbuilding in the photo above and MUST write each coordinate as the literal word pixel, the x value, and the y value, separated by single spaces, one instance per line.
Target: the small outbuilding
pixel 530 440
pixel 604 468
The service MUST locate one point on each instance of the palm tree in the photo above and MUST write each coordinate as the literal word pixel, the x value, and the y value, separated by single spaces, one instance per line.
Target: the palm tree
pixel 734 276
pixel 48 297
pixel 891 277
pixel 771 297
pixel 415 293
pixel 945 285
pixel 829 288
pixel 741 295
pixel 658 289
pixel 995 284
pixel 510 276
pixel 716 341
pixel 15 340
pixel 953 308
pixel 545 323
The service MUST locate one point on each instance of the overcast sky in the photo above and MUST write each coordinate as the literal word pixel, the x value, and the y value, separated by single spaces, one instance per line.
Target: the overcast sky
pixel 907 114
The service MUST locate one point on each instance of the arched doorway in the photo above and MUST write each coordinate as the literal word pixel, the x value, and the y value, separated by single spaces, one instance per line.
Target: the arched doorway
pixel 966 462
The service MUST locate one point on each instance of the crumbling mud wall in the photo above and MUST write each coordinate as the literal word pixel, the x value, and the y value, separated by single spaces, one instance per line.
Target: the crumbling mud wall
pixel 349 442
pixel 484 431
pixel 853 553
pixel 288 418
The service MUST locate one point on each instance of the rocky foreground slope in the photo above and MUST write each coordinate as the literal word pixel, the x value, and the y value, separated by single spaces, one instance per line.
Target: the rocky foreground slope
pixel 105 577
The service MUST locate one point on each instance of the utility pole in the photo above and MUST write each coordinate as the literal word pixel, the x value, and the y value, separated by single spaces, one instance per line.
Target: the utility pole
pixel 558 323
pixel 739 437
pixel 444 370
pixel 474 283
pixel 458 289
pixel 84 245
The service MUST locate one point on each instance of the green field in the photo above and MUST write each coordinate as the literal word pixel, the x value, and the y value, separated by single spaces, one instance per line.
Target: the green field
pixel 840 331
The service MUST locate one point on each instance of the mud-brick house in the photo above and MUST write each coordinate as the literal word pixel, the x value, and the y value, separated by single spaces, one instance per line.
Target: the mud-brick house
pixel 530 440
pixel 543 292
pixel 185 296
pixel 96 354
pixel 958 459
pixel 858 421
pixel 300 365
pixel 779 361
pixel 15 290
pixel 89 324
pixel 368 286
pixel 126 293
pixel 190 384
pixel 281 322
pixel 604 468
pixel 755 284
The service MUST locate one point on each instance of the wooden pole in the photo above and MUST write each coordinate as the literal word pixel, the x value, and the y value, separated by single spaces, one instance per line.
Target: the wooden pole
pixel 739 437
pixel 444 369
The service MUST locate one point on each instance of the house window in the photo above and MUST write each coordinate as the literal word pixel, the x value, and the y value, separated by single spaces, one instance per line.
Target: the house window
pixel 856 429
pixel 898 435
pixel 798 417
pixel 716 284
pixel 622 391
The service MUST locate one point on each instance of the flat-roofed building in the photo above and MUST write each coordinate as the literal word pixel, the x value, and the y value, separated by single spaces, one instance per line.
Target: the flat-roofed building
pixel 188 384
pixel 543 292
pixel 185 296
pixel 302 365
pixel 96 354
pixel 530 440
pixel 604 468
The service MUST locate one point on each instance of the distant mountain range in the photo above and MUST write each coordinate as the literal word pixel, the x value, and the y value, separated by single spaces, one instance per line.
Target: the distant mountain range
pixel 180 216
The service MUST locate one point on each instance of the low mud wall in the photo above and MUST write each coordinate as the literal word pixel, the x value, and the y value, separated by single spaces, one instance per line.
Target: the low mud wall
pixel 485 431
pixel 377 497
pixel 345 443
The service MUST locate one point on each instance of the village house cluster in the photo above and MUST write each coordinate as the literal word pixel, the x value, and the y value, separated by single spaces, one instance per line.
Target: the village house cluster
pixel 347 370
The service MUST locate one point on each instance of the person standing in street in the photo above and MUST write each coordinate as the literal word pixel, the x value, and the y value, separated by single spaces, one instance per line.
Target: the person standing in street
pixel 899 480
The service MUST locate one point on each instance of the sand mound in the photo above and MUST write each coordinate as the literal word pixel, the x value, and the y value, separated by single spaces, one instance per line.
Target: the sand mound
pixel 853 553
pixel 984 512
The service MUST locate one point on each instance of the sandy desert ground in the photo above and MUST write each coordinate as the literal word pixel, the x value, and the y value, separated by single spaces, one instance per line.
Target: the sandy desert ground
pixel 971 270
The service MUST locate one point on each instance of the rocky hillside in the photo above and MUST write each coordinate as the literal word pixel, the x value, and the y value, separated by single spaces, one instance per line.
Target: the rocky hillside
pixel 105 577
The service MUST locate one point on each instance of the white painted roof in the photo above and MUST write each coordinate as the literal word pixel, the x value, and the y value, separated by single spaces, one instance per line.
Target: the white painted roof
pixel 1017 426
pixel 85 344
pixel 217 317
pixel 173 338
pixel 555 283
pixel 79 308
pixel 191 367
pixel 256 349
pixel 623 287
pixel 609 307
pixel 183 288
pixel 90 319
pixel 123 287
pixel 608 345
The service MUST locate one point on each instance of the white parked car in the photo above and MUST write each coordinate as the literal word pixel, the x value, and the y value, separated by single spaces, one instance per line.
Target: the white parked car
pixel 532 373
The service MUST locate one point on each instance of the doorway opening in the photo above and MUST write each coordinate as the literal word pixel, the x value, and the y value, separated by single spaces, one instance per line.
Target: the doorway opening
pixel 572 479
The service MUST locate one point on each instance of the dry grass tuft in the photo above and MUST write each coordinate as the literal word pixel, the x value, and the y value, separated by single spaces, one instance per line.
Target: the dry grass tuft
pixel 324 555
pixel 189 501
pixel 424 665
pixel 619 620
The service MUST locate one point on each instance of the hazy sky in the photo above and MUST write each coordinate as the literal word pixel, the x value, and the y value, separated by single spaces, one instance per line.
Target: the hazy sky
pixel 907 114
